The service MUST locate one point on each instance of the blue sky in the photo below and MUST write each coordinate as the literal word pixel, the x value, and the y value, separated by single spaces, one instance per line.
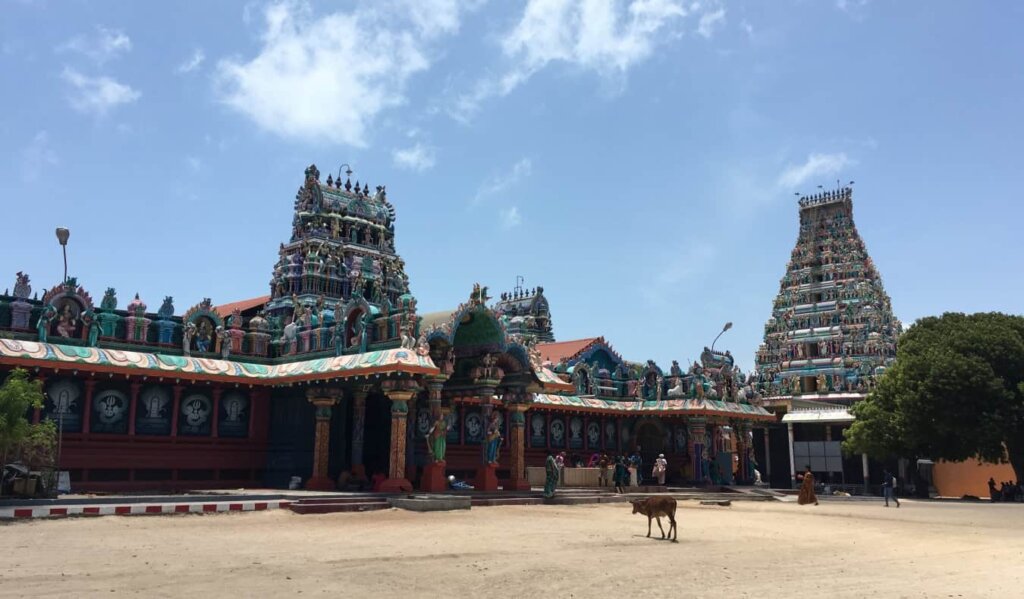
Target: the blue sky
pixel 637 158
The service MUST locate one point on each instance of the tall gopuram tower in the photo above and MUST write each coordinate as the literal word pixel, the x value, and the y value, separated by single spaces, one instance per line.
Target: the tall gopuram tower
pixel 832 329
pixel 340 266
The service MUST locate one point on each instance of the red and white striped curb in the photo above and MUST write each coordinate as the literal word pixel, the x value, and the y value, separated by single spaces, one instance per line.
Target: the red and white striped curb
pixel 139 509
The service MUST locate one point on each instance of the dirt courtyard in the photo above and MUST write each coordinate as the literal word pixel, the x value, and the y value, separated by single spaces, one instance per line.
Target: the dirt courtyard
pixel 747 550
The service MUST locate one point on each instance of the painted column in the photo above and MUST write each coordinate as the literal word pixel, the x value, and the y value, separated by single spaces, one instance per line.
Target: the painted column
pixel 792 463
pixel 695 431
pixel 324 400
pixel 767 456
pixel 215 422
pixel 410 442
pixel 486 474
pixel 516 430
pixel 175 407
pixel 434 475
pixel 396 481
pixel 90 388
pixel 132 407
pixel 358 425
pixel 37 413
pixel 867 478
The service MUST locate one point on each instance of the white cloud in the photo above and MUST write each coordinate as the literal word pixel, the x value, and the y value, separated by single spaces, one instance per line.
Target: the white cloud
pixel 709 21
pixel 194 163
pixel 193 62
pixel 499 183
pixel 748 28
pixel 851 5
pixel 597 35
pixel 510 217
pixel 417 158
pixel 104 45
pixel 326 78
pixel 37 156
pixel 816 165
pixel 97 95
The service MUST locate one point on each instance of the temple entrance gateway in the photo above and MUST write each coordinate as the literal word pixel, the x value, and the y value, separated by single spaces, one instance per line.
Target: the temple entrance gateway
pixel 377 436
pixel 650 436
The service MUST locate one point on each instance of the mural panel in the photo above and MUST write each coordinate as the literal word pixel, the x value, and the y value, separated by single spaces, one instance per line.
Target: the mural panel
pixel 153 414
pixel 594 434
pixel 233 420
pixel 538 431
pixel 109 412
pixel 474 426
pixel 558 433
pixel 576 432
pixel 64 405
pixel 195 415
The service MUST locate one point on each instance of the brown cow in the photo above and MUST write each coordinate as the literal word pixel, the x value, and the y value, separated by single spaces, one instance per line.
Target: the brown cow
pixel 655 508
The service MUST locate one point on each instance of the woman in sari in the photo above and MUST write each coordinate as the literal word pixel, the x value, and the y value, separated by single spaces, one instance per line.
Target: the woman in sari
pixel 551 472
pixel 807 488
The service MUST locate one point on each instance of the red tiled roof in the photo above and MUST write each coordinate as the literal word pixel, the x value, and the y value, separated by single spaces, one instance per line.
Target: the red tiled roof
pixel 242 305
pixel 554 352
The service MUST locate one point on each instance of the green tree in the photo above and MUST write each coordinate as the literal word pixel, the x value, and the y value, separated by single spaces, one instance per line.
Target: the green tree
pixel 18 394
pixel 956 391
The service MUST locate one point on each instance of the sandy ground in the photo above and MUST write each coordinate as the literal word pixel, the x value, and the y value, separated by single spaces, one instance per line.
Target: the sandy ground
pixel 747 550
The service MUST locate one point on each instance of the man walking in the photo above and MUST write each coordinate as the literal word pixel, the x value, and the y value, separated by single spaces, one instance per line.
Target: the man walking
pixel 889 488
pixel 602 473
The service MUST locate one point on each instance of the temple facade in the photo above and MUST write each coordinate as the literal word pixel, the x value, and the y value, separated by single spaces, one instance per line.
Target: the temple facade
pixel 832 332
pixel 335 378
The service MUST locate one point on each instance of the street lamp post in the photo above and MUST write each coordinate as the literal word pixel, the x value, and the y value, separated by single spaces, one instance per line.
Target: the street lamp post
pixel 727 326
pixel 62 237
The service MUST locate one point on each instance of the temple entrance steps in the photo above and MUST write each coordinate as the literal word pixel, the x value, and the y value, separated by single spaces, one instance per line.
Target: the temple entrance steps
pixel 564 496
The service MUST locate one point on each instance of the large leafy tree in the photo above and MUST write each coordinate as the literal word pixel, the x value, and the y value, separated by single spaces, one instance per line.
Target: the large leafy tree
pixel 956 391
pixel 17 395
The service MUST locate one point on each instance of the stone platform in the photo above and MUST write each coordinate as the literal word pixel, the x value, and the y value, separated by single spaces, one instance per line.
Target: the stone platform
pixel 431 503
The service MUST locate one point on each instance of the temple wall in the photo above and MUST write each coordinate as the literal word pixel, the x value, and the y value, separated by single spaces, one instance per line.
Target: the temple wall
pixel 956 479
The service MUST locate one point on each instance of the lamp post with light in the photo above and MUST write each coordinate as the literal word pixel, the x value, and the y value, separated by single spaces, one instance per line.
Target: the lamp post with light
pixel 62 237
pixel 727 326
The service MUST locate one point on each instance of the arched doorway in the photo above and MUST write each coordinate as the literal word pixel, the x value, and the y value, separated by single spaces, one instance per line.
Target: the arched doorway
pixel 651 437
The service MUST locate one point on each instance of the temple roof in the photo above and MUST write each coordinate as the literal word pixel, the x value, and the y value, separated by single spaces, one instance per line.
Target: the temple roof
pixel 242 305
pixel 94 359
pixel 689 407
pixel 554 352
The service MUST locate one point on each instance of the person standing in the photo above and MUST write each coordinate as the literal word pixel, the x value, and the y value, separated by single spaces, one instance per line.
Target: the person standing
pixel 660 468
pixel 621 475
pixel 889 488
pixel 603 465
pixel 807 494
pixel 551 474
pixel 634 469
pixel 560 462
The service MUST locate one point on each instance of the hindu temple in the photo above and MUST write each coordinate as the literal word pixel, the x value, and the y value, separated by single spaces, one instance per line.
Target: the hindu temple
pixel 334 376
pixel 831 334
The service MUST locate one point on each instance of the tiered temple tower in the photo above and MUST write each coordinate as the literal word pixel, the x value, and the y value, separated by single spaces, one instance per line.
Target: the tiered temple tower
pixel 526 313
pixel 832 329
pixel 340 263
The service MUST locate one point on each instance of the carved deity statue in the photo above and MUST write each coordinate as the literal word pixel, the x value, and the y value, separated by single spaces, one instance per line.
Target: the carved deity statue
pixel 43 326
pixel 437 438
pixel 225 342
pixel 93 328
pixel 492 440
pixel 187 333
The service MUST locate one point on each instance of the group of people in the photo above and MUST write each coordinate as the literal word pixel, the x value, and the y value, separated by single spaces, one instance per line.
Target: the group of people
pixel 618 471
pixel 1007 491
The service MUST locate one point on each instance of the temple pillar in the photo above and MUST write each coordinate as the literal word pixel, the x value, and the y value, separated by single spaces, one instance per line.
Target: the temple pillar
pixel 695 431
pixel 745 448
pixel 792 462
pixel 767 457
pixel 132 407
pixel 175 408
pixel 400 397
pixel 486 474
pixel 215 421
pixel 358 426
pixel 516 430
pixel 324 400
pixel 90 388
pixel 410 442
pixel 434 477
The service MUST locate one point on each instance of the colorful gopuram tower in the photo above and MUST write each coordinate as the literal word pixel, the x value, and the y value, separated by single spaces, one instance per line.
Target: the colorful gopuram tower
pixel 832 329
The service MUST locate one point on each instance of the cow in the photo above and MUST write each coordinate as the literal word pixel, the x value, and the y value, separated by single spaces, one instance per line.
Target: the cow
pixel 655 508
